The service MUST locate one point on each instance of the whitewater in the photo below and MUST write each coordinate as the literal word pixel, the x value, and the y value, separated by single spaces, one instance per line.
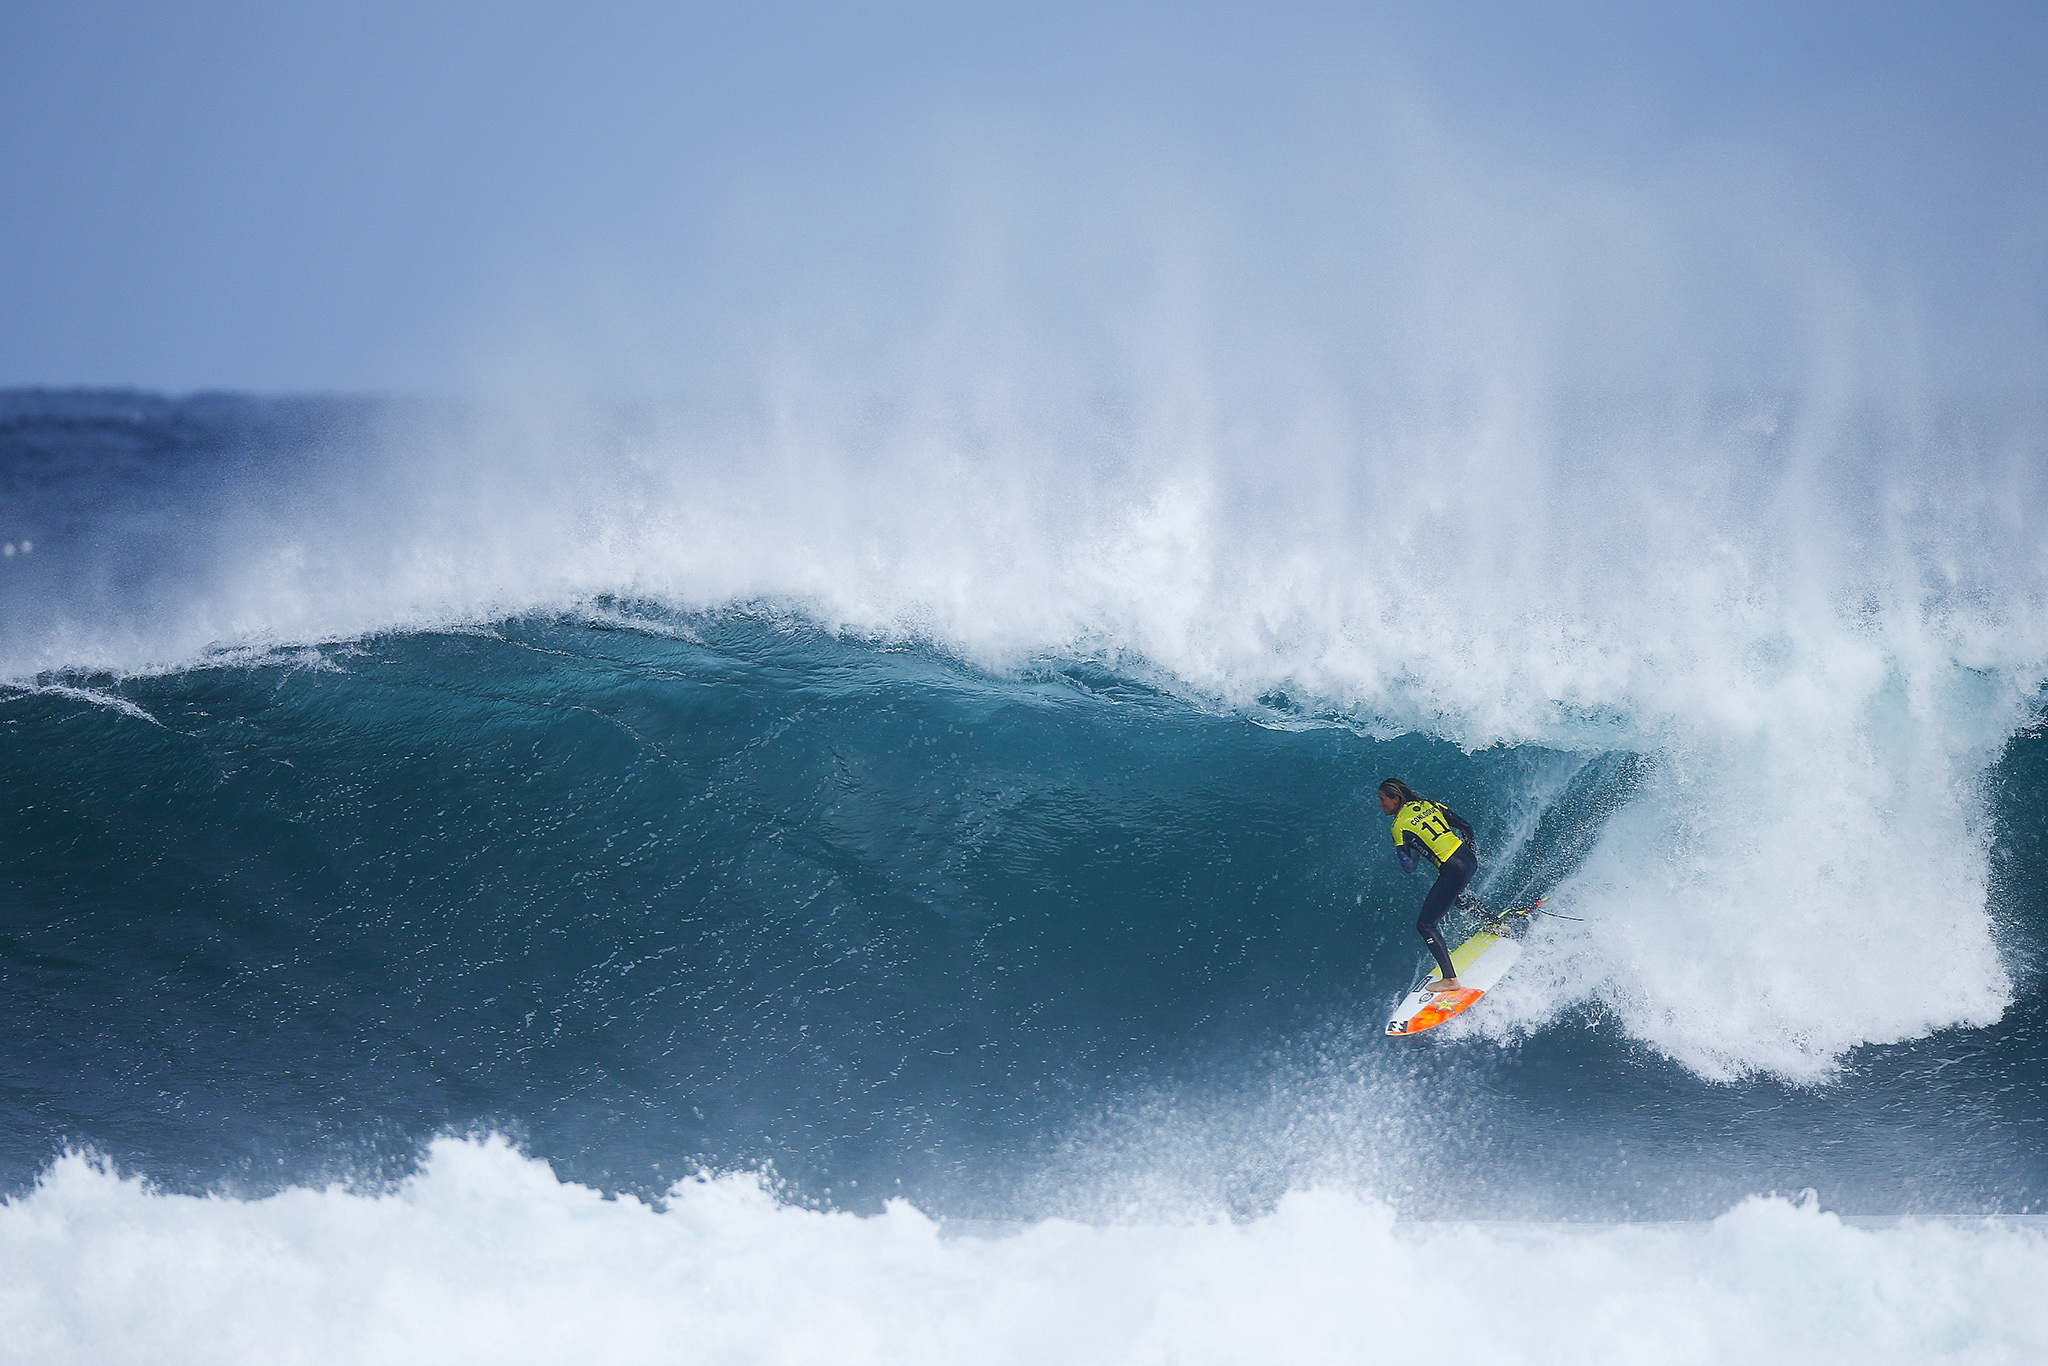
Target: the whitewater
pixel 486 1256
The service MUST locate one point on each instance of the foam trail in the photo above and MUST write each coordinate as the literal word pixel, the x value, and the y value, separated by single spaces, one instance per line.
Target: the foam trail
pixel 486 1256
pixel 92 697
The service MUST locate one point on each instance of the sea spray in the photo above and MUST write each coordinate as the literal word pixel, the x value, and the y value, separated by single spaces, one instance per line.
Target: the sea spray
pixel 1812 609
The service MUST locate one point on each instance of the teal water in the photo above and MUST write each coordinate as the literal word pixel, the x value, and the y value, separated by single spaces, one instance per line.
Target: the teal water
pixel 650 892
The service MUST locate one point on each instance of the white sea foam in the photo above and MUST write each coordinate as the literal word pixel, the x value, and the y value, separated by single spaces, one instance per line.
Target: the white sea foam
pixel 486 1256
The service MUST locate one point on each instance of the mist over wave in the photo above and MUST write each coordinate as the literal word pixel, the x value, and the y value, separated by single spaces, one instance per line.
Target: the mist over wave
pixel 1819 613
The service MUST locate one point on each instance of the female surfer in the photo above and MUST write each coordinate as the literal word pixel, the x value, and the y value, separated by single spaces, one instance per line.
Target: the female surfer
pixel 1431 830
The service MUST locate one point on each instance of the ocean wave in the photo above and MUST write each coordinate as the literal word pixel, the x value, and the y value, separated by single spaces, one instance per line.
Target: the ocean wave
pixel 1815 621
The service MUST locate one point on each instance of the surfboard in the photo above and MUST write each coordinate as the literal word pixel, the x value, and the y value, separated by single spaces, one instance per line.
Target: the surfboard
pixel 1480 962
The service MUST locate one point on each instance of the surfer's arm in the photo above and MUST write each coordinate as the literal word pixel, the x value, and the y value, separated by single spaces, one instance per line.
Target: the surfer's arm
pixel 1406 854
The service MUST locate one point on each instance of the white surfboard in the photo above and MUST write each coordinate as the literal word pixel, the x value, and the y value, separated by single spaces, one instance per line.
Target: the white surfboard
pixel 1480 962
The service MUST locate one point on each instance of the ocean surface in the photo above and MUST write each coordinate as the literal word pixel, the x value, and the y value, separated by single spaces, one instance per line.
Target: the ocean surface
pixel 717 885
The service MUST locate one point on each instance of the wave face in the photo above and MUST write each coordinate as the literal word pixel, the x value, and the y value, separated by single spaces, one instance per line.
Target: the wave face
pixel 793 794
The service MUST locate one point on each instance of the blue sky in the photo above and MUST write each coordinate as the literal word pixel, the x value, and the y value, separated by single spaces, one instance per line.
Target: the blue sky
pixel 351 197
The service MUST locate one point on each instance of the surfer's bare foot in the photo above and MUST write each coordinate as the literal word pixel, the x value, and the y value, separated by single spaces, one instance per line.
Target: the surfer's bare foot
pixel 1445 984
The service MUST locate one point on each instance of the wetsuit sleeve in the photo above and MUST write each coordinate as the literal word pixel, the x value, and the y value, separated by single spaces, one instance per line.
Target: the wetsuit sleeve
pixel 1408 850
pixel 1464 829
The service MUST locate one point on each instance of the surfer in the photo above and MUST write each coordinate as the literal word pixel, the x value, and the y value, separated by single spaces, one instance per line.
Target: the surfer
pixel 1431 830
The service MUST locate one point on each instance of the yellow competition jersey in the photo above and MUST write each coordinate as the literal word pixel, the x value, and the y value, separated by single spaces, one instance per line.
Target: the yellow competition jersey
pixel 1425 820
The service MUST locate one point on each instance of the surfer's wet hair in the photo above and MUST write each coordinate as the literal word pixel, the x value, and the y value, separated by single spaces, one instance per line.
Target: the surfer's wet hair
pixel 1399 791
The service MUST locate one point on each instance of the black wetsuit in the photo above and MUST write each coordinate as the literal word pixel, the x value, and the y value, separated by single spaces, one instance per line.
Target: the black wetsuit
pixel 1452 876
pixel 1457 870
